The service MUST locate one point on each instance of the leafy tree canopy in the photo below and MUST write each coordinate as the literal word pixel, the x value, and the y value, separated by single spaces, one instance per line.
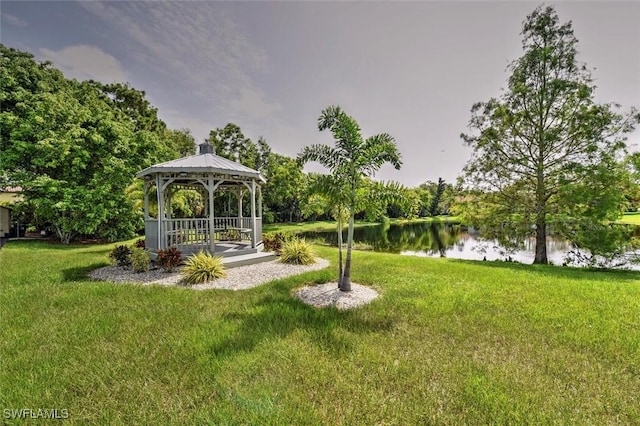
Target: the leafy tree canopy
pixel 285 184
pixel 180 141
pixel 74 146
pixel 231 143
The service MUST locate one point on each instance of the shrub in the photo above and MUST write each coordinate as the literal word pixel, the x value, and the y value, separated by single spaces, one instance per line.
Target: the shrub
pixel 297 252
pixel 268 216
pixel 273 241
pixel 121 255
pixel 139 243
pixel 202 267
pixel 169 259
pixel 140 260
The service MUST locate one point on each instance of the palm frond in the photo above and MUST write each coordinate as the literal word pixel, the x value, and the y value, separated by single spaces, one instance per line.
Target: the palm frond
pixel 329 117
pixel 376 151
pixel 347 136
pixel 345 129
pixel 325 155
pixel 329 186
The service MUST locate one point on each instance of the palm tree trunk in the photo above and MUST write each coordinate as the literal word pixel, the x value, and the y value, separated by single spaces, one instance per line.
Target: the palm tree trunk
pixel 345 284
pixel 340 270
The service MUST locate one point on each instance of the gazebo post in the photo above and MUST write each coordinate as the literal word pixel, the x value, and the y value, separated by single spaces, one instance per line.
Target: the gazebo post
pixel 160 197
pixel 240 194
pixel 253 214
pixel 147 187
pixel 211 189
pixel 169 198
pixel 146 201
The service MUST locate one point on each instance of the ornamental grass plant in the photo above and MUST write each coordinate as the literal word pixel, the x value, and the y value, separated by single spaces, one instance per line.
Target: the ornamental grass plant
pixel 201 268
pixel 297 252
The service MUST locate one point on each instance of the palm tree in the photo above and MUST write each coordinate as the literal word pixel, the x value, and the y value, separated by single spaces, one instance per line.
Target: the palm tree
pixel 349 161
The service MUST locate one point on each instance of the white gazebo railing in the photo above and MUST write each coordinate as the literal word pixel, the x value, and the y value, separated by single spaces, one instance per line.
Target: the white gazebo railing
pixel 234 223
pixel 192 234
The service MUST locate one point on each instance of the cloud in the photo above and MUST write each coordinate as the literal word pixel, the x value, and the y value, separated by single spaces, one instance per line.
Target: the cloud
pixel 197 44
pixel 14 20
pixel 176 119
pixel 85 62
pixel 252 103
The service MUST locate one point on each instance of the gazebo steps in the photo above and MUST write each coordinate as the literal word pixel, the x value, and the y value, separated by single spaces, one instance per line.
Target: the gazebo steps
pixel 247 259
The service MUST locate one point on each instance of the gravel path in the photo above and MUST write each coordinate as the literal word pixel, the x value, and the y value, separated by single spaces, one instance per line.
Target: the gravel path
pixel 239 278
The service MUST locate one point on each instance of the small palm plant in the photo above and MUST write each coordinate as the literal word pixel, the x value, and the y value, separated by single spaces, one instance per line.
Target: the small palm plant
pixel 202 267
pixel 352 159
pixel 297 252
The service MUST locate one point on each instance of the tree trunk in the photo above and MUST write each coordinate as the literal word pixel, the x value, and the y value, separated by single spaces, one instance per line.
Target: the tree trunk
pixel 340 270
pixel 541 241
pixel 345 284
pixel 65 237
pixel 541 210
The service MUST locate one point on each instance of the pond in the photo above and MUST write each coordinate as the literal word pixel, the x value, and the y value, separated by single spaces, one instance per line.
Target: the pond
pixel 441 239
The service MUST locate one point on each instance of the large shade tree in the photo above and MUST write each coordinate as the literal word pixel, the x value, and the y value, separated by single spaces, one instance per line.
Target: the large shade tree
pixel 74 147
pixel 544 142
pixel 351 159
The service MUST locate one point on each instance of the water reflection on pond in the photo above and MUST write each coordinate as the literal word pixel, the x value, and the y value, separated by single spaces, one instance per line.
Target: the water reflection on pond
pixel 440 239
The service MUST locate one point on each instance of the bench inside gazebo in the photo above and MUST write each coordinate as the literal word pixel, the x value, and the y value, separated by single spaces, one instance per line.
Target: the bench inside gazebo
pixel 207 174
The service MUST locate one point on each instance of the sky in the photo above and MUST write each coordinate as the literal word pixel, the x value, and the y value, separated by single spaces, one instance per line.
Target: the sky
pixel 410 69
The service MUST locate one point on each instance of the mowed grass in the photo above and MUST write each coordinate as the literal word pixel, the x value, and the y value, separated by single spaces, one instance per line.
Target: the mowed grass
pixel 328 225
pixel 448 342
pixel 313 226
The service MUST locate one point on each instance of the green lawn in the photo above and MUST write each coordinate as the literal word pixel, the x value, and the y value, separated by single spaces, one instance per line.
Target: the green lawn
pixel 630 218
pixel 448 341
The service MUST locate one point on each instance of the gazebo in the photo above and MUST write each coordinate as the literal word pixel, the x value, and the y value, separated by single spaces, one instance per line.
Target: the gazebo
pixel 207 174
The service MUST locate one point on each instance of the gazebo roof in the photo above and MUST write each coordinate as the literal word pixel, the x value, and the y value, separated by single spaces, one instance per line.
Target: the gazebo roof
pixel 202 163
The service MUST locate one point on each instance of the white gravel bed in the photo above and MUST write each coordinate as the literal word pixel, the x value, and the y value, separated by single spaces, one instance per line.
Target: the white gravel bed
pixel 117 274
pixel 328 294
pixel 240 278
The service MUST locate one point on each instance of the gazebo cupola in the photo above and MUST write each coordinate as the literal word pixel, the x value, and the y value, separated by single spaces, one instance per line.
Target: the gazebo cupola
pixel 206 173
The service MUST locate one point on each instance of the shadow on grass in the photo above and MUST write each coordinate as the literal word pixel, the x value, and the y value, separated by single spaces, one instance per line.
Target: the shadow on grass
pixel 279 314
pixel 560 272
pixel 80 273
pixel 40 244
